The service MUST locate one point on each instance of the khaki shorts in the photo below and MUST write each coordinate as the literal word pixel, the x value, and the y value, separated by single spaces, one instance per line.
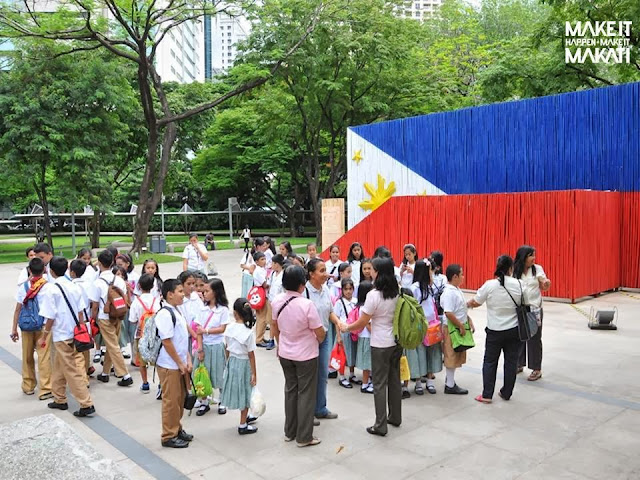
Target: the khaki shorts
pixel 452 359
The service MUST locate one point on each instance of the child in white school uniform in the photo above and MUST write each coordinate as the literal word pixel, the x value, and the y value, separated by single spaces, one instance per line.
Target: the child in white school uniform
pixel 240 373
pixel 210 328
pixel 355 258
pixel 332 265
pixel 76 273
pixel 410 256
pixel 150 267
pixel 363 353
pixel 344 272
pixel 342 308
pixel 264 314
pixel 275 278
pixel 142 307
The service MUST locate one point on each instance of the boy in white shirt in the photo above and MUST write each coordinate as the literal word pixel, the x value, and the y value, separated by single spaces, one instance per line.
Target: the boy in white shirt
pixel 110 330
pixel 275 279
pixel 62 307
pixel 76 272
pixel 264 314
pixel 454 305
pixel 173 364
pixel 146 304
pixel 194 256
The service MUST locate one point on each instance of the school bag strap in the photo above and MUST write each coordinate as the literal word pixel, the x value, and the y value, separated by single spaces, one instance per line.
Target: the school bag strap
pixel 66 299
pixel 344 306
pixel 284 305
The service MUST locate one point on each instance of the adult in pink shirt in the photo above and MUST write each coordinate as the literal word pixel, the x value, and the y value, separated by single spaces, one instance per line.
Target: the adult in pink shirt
pixel 298 331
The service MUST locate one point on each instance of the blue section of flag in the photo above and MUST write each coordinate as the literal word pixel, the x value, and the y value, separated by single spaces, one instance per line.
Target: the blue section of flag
pixel 579 140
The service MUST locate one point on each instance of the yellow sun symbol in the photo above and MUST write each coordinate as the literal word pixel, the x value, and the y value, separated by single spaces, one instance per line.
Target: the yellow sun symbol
pixel 423 193
pixel 357 157
pixel 379 195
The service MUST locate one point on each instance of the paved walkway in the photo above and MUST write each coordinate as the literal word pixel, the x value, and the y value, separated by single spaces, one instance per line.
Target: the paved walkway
pixel 580 421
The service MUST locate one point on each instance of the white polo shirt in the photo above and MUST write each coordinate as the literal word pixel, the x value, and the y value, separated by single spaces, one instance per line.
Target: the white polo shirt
pixel 275 285
pixel 191 307
pixel 84 289
pixel 213 318
pixel 53 305
pixel 178 335
pixel 501 309
pixel 452 301
pixel 100 290
pixel 194 260
pixel 531 285
pixel 259 276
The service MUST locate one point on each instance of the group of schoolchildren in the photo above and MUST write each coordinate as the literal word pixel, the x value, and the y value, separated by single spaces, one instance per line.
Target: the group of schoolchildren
pixel 55 298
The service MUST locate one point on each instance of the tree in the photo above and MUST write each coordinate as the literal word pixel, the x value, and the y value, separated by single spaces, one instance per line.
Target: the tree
pixel 134 31
pixel 62 127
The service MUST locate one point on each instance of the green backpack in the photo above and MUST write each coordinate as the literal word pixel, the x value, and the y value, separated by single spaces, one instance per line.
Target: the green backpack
pixel 409 322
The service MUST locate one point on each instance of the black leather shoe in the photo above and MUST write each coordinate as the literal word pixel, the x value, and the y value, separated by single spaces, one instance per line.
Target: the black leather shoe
pixel 455 390
pixel 393 423
pixel 58 406
pixel 85 411
pixel 202 410
pixel 332 375
pixel 175 442
pixel 251 420
pixel 125 382
pixel 103 378
pixel 182 435
pixel 373 431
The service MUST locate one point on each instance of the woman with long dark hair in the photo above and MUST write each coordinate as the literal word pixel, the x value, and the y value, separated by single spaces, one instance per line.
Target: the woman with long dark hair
pixel 534 281
pixel 502 294
pixel 379 308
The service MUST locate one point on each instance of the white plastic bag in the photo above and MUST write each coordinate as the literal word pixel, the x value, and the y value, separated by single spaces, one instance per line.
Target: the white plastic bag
pixel 258 405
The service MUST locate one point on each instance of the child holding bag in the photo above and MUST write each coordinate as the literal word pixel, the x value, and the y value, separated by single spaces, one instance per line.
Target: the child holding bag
pixel 363 353
pixel 240 374
pixel 210 327
pixel 342 308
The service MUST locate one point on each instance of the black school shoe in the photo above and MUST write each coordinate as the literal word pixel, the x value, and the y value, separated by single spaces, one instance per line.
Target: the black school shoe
pixel 175 442
pixel 85 411
pixel 455 390
pixel 247 430
pixel 251 420
pixel 103 378
pixel 58 406
pixel 125 382
pixel 182 435
pixel 332 375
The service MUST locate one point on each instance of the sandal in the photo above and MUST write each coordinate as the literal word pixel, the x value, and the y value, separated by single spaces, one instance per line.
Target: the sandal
pixel 520 370
pixel 431 389
pixel 314 441
pixel 481 399
pixel 367 388
pixel 419 390
pixel 345 383
pixel 535 375
pixel 354 380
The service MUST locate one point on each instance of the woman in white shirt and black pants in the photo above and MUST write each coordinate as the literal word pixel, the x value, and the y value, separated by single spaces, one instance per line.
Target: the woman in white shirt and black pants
pixel 501 294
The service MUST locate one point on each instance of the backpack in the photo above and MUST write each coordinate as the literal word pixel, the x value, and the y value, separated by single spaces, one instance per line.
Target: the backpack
pixel 29 319
pixel 409 322
pixel 117 304
pixel 150 343
pixel 146 314
pixel 437 293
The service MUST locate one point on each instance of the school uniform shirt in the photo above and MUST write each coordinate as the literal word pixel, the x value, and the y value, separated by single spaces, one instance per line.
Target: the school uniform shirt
pixel 343 307
pixel 381 311
pixel 213 318
pixel 427 303
pixel 332 270
pixel 406 276
pixel 246 233
pixel 191 307
pixel 138 306
pixel 155 290
pixel 269 256
pixel 322 300
pixel 239 340
pixel 259 276
pixel 178 335
pixel 100 290
pixel 90 275
pixel 501 309
pixel 355 272
pixel 452 301
pixel 194 260
pixel 132 279
pixel 531 286
pixel 84 290
pixel 365 333
pixel 247 259
pixel 23 276
pixel 275 285
pixel 54 306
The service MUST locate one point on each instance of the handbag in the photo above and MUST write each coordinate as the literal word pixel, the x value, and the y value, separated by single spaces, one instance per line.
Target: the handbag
pixel 434 333
pixel 459 342
pixel 190 398
pixel 405 373
pixel 527 320
pixel 338 358
pixel 82 340
pixel 257 297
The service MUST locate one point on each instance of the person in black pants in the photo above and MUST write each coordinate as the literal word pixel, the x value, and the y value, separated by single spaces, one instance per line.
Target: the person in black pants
pixel 501 294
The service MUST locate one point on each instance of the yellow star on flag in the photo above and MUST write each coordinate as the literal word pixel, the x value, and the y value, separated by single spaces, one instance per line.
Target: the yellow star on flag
pixel 423 193
pixel 379 195
pixel 357 157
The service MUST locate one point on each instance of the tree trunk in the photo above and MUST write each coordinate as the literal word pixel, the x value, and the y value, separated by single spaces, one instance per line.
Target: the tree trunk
pixel 41 191
pixel 95 229
pixel 152 183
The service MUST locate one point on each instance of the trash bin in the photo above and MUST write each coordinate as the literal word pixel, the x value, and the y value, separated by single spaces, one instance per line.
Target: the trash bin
pixel 158 244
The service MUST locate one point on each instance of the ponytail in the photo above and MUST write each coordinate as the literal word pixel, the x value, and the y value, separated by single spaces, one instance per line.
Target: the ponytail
pixel 504 264
pixel 244 310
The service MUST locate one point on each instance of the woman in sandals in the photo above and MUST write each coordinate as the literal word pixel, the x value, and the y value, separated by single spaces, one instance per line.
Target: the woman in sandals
pixel 534 281
pixel 501 294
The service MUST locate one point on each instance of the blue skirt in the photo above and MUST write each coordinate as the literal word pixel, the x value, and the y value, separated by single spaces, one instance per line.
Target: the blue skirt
pixel 363 355
pixel 417 359
pixel 434 358
pixel 236 392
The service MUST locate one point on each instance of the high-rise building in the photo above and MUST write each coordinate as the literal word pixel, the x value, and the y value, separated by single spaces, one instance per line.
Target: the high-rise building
pixel 180 55
pixel 420 9
pixel 221 35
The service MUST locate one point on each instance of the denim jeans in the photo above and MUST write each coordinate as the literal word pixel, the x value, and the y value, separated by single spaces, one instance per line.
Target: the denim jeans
pixel 323 371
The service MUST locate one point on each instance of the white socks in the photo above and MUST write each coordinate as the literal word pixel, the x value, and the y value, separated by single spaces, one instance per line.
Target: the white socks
pixel 127 377
pixel 431 382
pixel 450 380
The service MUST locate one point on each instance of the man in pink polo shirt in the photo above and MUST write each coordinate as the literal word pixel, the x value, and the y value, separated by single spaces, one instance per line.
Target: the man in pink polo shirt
pixel 298 330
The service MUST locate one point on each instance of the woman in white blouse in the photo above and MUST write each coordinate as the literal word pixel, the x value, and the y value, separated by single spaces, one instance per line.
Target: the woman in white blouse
pixel 502 294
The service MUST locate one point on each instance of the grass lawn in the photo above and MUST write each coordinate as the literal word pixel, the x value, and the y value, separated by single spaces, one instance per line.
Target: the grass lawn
pixel 14 252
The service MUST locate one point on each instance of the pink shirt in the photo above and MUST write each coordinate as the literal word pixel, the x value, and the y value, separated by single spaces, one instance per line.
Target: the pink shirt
pixel 381 312
pixel 296 322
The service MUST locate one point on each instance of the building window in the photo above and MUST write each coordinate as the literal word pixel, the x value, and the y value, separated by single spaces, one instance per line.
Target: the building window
pixel 228 34
pixel 229 54
pixel 228 27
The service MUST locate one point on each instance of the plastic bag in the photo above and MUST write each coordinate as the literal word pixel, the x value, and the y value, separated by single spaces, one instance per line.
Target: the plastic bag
pixel 258 405
pixel 434 333
pixel 338 358
pixel 201 382
pixel 405 374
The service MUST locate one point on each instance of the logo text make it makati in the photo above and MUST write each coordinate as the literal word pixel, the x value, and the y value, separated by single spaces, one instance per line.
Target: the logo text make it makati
pixel 600 42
